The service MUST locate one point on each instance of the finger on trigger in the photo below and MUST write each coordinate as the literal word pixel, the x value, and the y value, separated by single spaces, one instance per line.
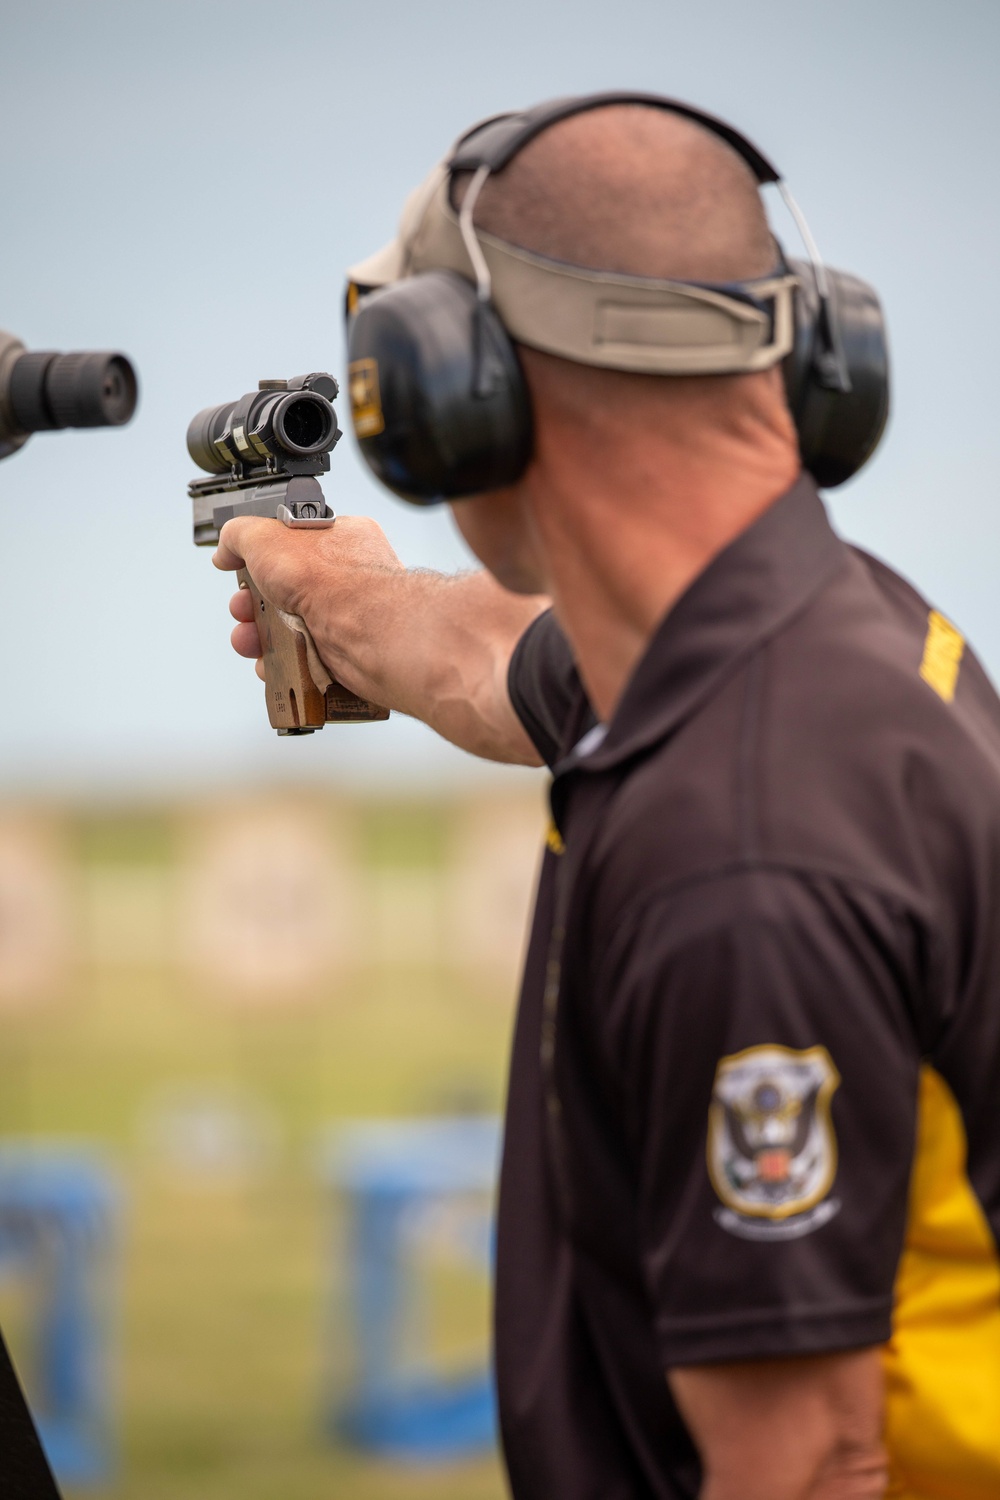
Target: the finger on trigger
pixel 227 555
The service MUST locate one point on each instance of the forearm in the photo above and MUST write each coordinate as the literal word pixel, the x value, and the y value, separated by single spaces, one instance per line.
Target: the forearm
pixel 436 647
pixel 844 1476
pixel 424 644
pixel 806 1428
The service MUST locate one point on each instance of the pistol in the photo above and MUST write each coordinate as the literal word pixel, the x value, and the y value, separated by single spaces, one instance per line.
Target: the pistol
pixel 264 454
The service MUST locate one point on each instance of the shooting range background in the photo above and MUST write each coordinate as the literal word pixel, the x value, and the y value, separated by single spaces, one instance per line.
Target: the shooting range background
pixel 187 183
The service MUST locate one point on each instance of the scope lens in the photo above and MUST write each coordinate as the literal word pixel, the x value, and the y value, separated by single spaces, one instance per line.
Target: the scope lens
pixel 304 423
pixel 118 390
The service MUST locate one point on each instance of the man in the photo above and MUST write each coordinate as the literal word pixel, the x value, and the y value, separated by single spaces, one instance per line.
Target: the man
pixel 751 1180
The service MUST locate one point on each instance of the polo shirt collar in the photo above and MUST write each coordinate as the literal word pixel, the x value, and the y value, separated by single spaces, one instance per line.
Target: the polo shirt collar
pixel 746 594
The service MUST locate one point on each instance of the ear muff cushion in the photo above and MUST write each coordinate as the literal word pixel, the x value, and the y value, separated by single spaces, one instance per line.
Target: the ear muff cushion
pixel 439 401
pixel 838 431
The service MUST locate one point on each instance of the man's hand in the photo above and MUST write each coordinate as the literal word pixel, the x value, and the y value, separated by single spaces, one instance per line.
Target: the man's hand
pixel 787 1429
pixel 422 643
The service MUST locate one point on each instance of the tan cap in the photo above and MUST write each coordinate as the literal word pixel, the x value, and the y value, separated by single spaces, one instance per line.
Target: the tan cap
pixel 592 317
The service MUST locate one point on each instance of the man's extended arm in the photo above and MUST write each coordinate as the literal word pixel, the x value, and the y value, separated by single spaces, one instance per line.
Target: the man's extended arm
pixel 787 1429
pixel 425 644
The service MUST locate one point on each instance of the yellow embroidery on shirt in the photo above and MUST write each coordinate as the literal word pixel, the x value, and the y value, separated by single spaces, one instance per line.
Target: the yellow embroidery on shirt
pixel 553 839
pixel 942 655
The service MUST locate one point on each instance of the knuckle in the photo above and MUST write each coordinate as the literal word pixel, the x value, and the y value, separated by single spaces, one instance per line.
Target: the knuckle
pixel 364 528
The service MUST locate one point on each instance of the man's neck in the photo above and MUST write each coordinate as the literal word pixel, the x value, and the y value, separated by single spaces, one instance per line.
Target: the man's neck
pixel 624 536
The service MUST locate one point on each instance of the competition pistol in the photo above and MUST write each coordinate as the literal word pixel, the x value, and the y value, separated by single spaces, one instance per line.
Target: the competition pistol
pixel 264 454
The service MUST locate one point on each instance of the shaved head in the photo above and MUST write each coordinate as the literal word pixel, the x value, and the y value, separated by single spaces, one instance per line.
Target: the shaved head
pixel 636 480
pixel 639 190
pixel 633 189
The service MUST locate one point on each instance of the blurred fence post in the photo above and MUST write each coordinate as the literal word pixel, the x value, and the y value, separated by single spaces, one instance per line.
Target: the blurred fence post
pixel 57 1213
pixel 394 1175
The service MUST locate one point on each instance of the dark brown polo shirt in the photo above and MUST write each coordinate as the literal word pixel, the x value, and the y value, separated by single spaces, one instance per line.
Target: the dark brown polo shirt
pixel 754 1088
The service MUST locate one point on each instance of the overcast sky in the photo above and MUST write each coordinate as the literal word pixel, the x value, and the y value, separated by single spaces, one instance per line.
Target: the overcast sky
pixel 187 182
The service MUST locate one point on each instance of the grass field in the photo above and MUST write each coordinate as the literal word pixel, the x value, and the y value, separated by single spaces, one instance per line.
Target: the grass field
pixel 234 1317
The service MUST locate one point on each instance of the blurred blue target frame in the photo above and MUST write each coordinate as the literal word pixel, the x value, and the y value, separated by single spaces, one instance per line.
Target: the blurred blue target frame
pixel 58 1233
pixel 408 1183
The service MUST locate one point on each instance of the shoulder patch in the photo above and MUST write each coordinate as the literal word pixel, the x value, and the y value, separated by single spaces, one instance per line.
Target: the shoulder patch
pixel 772 1152
pixel 943 648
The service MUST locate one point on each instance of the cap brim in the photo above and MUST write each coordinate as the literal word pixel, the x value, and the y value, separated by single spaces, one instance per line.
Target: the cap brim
pixel 385 266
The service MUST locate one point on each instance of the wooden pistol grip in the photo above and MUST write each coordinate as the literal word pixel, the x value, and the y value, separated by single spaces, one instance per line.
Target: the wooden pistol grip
pixel 296 703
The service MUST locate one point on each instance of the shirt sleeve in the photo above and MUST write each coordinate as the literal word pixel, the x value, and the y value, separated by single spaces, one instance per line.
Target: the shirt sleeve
pixel 767 1078
pixel 544 686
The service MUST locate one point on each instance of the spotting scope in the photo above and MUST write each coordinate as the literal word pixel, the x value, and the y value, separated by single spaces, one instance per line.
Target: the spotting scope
pixel 41 391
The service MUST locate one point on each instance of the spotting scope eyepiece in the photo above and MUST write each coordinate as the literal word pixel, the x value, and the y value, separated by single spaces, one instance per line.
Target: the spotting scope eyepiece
pixel 42 391
pixel 283 424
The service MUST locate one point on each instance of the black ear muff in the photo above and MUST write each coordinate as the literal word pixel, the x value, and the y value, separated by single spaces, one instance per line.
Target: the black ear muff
pixel 438 398
pixel 838 428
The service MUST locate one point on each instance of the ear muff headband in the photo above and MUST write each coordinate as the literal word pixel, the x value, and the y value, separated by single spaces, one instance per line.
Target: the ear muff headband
pixel 603 318
pixel 827 326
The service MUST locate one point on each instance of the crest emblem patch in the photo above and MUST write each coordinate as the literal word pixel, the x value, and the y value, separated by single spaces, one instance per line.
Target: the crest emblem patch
pixel 772 1152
